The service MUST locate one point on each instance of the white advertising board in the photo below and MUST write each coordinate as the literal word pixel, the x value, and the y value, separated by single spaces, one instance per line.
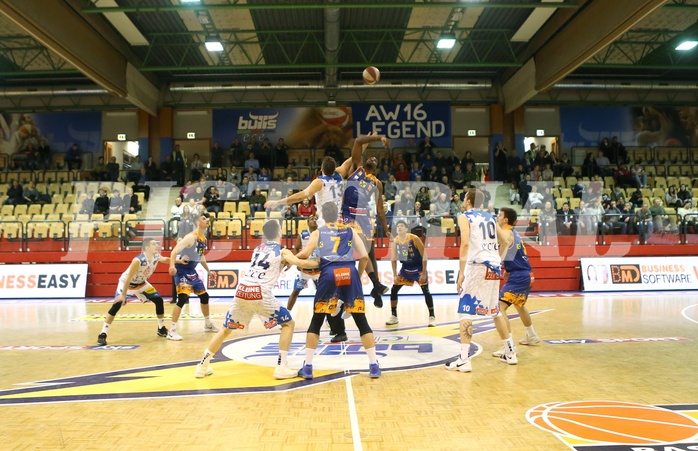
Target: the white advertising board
pixel 224 278
pixel 639 273
pixel 43 281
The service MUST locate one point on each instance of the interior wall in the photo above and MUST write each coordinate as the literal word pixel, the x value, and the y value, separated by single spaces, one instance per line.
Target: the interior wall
pixel 193 146
pixel 478 146
pixel 117 122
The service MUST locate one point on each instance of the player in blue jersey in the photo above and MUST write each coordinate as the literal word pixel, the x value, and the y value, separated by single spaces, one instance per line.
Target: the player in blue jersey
pixel 409 249
pixel 186 278
pixel 478 278
pixel 339 281
pixel 134 282
pixel 362 185
pixel 518 277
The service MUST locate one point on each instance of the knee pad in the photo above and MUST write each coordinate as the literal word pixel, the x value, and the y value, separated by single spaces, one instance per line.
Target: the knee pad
pixel 182 300
pixel 316 323
pixel 115 307
pixel 362 323
pixel 159 305
pixel 203 298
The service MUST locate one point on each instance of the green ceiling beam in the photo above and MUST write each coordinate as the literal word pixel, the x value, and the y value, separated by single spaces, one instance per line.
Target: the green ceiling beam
pixel 430 66
pixel 287 6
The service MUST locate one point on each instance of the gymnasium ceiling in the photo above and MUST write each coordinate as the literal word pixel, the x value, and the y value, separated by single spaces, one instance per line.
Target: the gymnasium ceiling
pixel 78 54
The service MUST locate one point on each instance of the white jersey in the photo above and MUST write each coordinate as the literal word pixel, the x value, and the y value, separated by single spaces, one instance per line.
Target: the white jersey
pixel 332 191
pixel 145 270
pixel 483 245
pixel 263 273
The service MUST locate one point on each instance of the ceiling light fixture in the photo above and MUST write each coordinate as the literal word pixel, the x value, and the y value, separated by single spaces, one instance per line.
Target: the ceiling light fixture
pixel 213 44
pixel 687 44
pixel 446 41
pixel 190 1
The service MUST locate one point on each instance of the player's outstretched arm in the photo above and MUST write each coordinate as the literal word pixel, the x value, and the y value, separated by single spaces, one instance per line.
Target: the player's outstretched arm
pixel 310 247
pixel 309 191
pixel 301 263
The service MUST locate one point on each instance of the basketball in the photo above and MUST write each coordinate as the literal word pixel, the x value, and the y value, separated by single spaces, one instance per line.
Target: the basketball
pixel 613 422
pixel 371 75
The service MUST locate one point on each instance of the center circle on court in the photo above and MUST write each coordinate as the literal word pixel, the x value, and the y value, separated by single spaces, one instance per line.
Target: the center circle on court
pixel 395 351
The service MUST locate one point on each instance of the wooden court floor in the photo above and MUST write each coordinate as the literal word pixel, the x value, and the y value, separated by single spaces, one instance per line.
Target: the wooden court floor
pixel 613 371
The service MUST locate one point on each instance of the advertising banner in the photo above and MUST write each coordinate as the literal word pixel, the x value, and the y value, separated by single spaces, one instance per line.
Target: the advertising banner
pixel 639 273
pixel 60 130
pixel 224 278
pixel 43 281
pixel 406 124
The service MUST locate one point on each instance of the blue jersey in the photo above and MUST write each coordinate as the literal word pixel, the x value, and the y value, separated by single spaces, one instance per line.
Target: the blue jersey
pixel 194 253
pixel 408 254
pixel 335 244
pixel 360 187
pixel 516 258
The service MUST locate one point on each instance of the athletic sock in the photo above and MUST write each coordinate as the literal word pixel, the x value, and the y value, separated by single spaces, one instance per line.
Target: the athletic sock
pixel 161 322
pixel 207 321
pixel 207 357
pixel 393 311
pixel 283 356
pixel 105 328
pixel 530 332
pixel 374 278
pixel 173 327
pixel 372 355
pixel 464 350
pixel 309 354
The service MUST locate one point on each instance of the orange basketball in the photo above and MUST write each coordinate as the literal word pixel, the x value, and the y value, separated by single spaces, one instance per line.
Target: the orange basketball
pixel 371 75
pixel 613 422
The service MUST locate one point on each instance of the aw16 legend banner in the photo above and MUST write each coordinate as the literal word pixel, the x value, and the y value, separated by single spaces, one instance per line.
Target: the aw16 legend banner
pixel 640 273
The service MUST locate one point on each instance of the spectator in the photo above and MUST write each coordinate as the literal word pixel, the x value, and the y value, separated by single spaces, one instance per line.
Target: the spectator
pixel 73 157
pixel 186 222
pixel 233 192
pixel 281 154
pixel 427 162
pixel 130 202
pixel 500 162
pixel 257 201
pixel 167 170
pixel 644 222
pixel 548 222
pixel 452 160
pixel 414 172
pixel 603 165
pixel 384 174
pixel 116 203
pixel 235 152
pixel 218 176
pixel 135 170
pixel 468 158
pixel 402 174
pixel 332 150
pixel 688 216
pixel 44 154
pixel 233 175
pixel 618 153
pixel 151 169
pixel 33 196
pixel 439 160
pixel 251 174
pixel 291 211
pixel 564 167
pixel 612 219
pixel 536 174
pixel 306 209
pixel 639 175
pixel 514 196
pixel 660 217
pixel 252 162
pixel 263 179
pixel 623 177
pixel 216 156
pixel 585 225
pixel 15 194
pixel 31 160
pixel 547 174
pixel 442 205
pixel 455 205
pixel 672 198
pixel 423 197
pixel 390 188
pixel 196 167
pixel 458 177
pixel 244 187
pixel 628 217
pixel 101 204
pixel 100 171
pixel 264 154
pixel 179 161
pixel 141 185
pixel 684 193
pixel 88 205
pixel 566 221
pixel 426 147
pixel 535 199
pixel 211 200
pixel 177 211
pixel 636 198
pixel 589 167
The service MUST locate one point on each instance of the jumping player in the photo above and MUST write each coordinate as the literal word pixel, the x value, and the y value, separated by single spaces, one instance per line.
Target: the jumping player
pixel 254 297
pixel 409 249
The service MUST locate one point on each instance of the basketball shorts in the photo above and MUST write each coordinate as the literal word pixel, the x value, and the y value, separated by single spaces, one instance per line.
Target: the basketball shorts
pixel 144 292
pixel 480 287
pixel 408 277
pixel 339 281
pixel 515 290
pixel 302 280
pixel 250 301
pixel 188 283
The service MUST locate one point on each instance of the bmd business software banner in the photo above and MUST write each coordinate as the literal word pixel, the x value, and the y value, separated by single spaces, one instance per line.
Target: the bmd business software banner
pixel 639 273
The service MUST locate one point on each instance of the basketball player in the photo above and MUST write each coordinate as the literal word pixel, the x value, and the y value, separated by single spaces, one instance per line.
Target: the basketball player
pixel 518 277
pixel 478 278
pixel 362 184
pixel 409 249
pixel 339 281
pixel 186 279
pixel 254 297
pixel 134 282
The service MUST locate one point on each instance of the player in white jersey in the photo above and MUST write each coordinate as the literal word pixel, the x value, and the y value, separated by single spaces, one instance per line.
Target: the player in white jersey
pixel 134 282
pixel 327 188
pixel 478 278
pixel 254 298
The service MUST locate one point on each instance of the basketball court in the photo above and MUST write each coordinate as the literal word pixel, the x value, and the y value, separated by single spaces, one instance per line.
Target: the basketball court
pixel 614 371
